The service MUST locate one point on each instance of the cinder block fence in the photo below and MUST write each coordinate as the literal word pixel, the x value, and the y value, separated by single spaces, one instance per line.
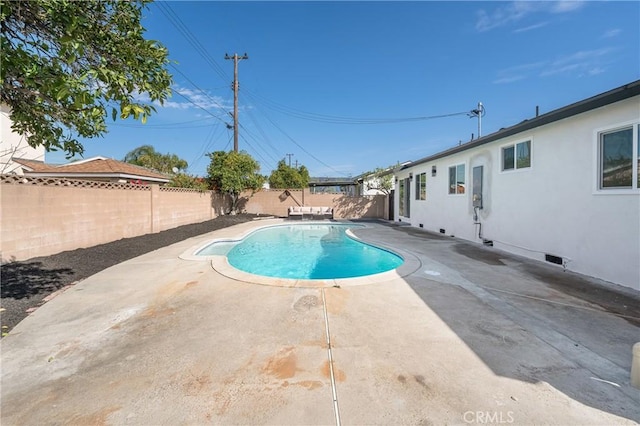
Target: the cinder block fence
pixel 40 216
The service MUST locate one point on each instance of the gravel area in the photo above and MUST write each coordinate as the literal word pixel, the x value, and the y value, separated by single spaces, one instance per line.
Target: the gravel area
pixel 26 284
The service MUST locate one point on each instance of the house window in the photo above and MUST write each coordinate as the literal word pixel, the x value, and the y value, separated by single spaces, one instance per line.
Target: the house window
pixel 456 179
pixel 401 198
pixel 619 159
pixel 517 156
pixel 421 186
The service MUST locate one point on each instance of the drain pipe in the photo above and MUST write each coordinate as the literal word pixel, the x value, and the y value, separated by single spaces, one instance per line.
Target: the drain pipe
pixel 476 221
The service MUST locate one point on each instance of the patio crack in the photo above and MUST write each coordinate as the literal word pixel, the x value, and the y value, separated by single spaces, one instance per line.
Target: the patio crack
pixel 330 356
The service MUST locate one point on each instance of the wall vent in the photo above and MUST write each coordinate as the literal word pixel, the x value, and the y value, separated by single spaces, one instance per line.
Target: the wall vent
pixel 553 259
pixel 442 231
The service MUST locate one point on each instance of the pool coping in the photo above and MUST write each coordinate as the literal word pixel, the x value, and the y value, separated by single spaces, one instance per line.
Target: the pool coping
pixel 221 265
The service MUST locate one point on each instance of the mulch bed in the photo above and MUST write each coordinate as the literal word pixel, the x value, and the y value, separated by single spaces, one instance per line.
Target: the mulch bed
pixel 27 284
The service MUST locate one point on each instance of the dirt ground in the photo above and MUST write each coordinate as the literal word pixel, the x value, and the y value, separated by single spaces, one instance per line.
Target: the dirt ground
pixel 26 284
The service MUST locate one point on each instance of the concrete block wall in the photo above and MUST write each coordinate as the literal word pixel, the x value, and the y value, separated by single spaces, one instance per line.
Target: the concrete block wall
pixel 176 207
pixel 40 217
pixel 277 202
pixel 43 220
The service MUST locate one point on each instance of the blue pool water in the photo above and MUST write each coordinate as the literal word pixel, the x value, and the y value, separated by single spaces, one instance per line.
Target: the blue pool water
pixel 305 251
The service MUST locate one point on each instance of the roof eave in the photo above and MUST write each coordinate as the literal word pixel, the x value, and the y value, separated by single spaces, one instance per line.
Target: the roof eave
pixel 619 94
pixel 96 175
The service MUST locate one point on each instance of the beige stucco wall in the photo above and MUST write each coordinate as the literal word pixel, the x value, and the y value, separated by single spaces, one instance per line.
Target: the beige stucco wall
pixel 42 220
pixel 174 207
pixel 40 217
pixel 277 202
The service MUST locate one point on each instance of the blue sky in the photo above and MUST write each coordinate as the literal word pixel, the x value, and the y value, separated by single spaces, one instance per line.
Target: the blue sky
pixel 341 85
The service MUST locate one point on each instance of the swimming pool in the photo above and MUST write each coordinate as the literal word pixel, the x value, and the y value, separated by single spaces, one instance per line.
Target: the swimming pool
pixel 304 251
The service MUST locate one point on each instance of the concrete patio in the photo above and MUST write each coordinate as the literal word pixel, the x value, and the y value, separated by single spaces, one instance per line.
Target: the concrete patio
pixel 462 335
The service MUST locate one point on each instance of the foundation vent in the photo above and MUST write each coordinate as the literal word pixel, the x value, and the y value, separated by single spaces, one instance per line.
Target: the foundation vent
pixel 553 259
pixel 442 231
pixel 421 226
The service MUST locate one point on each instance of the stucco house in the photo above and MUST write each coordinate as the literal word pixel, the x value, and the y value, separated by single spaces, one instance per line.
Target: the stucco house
pixel 562 187
pixel 94 169
pixel 14 145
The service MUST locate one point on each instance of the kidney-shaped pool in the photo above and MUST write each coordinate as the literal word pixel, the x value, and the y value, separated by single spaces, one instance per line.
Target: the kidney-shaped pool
pixel 305 251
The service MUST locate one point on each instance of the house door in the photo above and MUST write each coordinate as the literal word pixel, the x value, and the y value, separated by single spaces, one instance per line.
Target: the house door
pixel 407 197
pixel 391 201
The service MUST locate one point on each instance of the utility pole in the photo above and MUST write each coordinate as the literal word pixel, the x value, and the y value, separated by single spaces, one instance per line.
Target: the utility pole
pixel 289 155
pixel 235 86
pixel 479 112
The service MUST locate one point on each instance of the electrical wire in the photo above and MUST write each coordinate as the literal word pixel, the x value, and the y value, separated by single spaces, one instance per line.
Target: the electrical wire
pixel 166 126
pixel 247 132
pixel 183 29
pixel 301 147
pixel 324 118
pixel 262 132
pixel 214 101
pixel 257 154
pixel 209 141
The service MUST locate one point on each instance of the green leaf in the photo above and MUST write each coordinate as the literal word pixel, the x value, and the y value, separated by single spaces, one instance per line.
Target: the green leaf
pixel 100 57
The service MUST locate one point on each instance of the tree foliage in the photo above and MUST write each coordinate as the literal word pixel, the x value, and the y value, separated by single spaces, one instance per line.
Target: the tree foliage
pixel 232 173
pixel 380 179
pixel 147 156
pixel 67 65
pixel 184 180
pixel 287 177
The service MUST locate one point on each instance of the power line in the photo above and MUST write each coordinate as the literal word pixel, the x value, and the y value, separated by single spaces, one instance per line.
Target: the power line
pixel 301 147
pixel 262 133
pixel 258 142
pixel 165 126
pixel 175 20
pixel 264 160
pixel 214 101
pixel 324 118
pixel 209 140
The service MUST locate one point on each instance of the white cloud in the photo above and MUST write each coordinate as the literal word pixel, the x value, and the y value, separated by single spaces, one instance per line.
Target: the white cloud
pixel 518 72
pixel 516 11
pixel 503 15
pixel 566 6
pixel 531 27
pixel 187 98
pixel 184 98
pixel 614 32
pixel 584 61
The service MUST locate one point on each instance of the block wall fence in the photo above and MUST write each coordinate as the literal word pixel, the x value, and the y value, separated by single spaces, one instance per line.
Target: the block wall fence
pixel 40 217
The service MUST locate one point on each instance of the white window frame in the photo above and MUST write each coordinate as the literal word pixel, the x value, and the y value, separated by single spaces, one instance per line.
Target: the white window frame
pixel 458 194
pixel 514 145
pixel 597 156
pixel 418 192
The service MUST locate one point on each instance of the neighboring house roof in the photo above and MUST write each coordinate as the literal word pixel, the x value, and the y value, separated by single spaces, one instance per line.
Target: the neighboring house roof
pixel 331 181
pixel 619 94
pixel 97 167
